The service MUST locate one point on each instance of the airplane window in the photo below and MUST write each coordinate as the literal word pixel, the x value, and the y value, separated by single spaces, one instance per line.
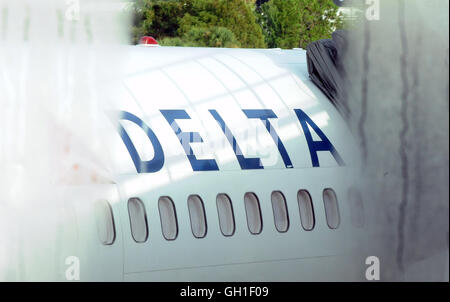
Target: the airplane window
pixel 197 216
pixel 280 213
pixel 105 222
pixel 226 215
pixel 331 208
pixel 168 218
pixel 356 208
pixel 306 210
pixel 138 219
pixel 253 211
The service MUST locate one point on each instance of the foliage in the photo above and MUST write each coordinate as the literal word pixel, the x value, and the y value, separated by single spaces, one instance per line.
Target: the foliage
pixel 296 23
pixel 229 23
pixel 156 18
pixel 235 23
pixel 204 37
pixel 280 20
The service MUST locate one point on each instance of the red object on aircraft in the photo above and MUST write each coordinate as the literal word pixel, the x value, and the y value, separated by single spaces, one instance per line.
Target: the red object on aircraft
pixel 148 40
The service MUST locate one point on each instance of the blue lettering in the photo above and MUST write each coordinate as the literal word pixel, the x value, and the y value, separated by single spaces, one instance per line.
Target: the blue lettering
pixel 314 146
pixel 264 115
pixel 245 163
pixel 153 165
pixel 186 138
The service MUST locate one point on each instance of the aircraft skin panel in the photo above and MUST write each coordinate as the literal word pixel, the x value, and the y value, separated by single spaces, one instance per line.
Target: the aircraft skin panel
pixel 242 247
pixel 317 269
pixel 201 121
pixel 209 92
pixel 195 87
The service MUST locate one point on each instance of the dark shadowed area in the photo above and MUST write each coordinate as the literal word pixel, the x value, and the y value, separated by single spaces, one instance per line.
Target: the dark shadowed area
pixel 399 110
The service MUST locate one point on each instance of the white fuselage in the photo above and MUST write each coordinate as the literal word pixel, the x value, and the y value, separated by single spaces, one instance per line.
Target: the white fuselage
pixel 206 91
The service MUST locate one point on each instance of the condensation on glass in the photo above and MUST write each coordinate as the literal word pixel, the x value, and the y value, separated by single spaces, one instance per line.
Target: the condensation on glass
pixel 280 212
pixel 168 216
pixel 253 212
pixel 105 222
pixel 306 209
pixel 197 216
pixel 356 208
pixel 226 214
pixel 331 208
pixel 138 220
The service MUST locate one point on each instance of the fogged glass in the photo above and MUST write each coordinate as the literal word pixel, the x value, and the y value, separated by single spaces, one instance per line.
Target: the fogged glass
pixel 356 208
pixel 197 216
pixel 226 215
pixel 306 210
pixel 280 213
pixel 105 222
pixel 138 220
pixel 253 211
pixel 168 218
pixel 331 208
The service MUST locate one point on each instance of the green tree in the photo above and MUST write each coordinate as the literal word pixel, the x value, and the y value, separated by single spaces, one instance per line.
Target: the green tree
pixel 204 37
pixel 239 17
pixel 157 18
pixel 228 23
pixel 296 23
pixel 280 21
